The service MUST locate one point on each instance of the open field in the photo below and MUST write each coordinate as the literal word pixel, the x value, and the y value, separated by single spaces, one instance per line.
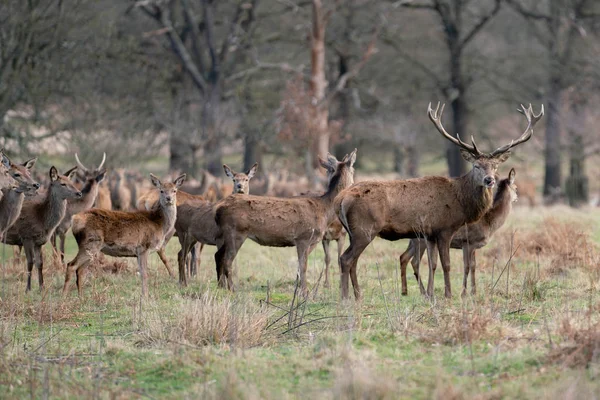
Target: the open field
pixel 531 331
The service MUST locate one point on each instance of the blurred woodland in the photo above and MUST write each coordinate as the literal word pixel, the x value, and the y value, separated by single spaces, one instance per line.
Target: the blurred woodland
pixel 194 82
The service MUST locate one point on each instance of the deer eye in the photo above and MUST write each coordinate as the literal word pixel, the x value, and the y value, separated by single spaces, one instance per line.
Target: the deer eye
pixel 17 175
pixel 63 184
pixel 162 191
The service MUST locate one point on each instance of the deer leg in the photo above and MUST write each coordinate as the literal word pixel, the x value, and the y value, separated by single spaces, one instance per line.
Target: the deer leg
pixel 62 237
pixel 142 259
pixel 195 259
pixel 432 261
pixel 39 265
pixel 416 264
pixel 224 257
pixel 182 257
pixel 79 275
pixel 162 254
pixel 29 254
pixel 404 259
pixel 466 262
pixel 82 259
pixel 444 250
pixel 473 264
pixel 303 250
pixel 348 261
pixel 325 243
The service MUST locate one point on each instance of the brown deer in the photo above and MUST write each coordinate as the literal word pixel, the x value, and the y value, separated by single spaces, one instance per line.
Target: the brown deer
pixel 434 207
pixel 39 219
pixel 103 198
pixel 196 222
pixel 279 222
pixel 148 200
pixel 469 238
pixel 13 197
pixel 335 232
pixel 124 234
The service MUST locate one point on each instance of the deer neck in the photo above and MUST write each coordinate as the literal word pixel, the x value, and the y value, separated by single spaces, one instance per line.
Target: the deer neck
pixel 475 199
pixel 54 209
pixel 89 192
pixel 11 204
pixel 337 183
pixel 502 207
pixel 169 216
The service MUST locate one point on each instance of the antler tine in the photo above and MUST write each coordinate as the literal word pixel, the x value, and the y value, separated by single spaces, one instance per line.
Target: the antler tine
pixel 103 160
pixel 79 163
pixel 532 119
pixel 475 146
pixel 437 121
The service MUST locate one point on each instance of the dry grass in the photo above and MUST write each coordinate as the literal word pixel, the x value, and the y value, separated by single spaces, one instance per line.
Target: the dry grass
pixel 582 345
pixel 209 319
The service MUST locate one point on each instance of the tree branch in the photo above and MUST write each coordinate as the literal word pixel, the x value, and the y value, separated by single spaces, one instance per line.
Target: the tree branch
pixel 484 20
pixel 516 5
pixel 191 21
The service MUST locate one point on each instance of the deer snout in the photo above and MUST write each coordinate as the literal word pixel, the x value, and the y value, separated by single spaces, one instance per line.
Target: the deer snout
pixel 79 195
pixel 489 181
pixel 36 185
pixel 169 199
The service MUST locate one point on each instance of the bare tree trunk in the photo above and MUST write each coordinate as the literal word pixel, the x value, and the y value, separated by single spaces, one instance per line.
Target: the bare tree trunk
pixel 577 184
pixel 180 155
pixel 552 177
pixel 412 168
pixel 456 164
pixel 318 81
pixel 211 132
pixel 252 149
pixel 399 159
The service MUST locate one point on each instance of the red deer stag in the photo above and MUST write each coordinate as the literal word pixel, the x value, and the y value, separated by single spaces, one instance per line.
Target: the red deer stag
pixel 148 200
pixel 123 234
pixel 103 198
pixel 434 207
pixel 469 238
pixel 196 222
pixel 39 219
pixel 279 222
pixel 12 200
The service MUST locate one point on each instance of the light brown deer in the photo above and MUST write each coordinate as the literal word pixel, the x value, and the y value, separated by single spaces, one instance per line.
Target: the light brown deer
pixel 39 219
pixel 149 200
pixel 469 238
pixel 84 173
pixel 335 232
pixel 279 222
pixel 124 234
pixel 13 197
pixel 196 223
pixel 434 207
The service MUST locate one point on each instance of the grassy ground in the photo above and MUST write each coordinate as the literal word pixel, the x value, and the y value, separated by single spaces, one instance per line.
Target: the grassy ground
pixel 530 332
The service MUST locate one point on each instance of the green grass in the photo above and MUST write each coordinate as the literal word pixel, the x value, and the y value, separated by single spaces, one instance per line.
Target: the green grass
pixel 108 344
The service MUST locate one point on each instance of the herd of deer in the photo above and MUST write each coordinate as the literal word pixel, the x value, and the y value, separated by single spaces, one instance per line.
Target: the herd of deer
pixel 434 212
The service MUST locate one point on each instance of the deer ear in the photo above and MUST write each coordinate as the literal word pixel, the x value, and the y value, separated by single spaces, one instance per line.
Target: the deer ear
pixel 467 156
pixel 53 174
pixel 179 181
pixel 30 163
pixel 511 176
pixel 5 160
pixel 252 171
pixel 332 160
pixel 326 165
pixel 155 181
pixel 71 173
pixel 350 159
pixel 100 176
pixel 503 157
pixel 228 171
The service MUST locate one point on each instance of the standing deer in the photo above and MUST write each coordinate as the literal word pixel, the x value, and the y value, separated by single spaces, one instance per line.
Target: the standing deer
pixel 39 219
pixel 124 234
pixel 12 200
pixel 433 207
pixel 469 238
pixel 279 222
pixel 335 232
pixel 196 222
pixel 148 201
pixel 103 198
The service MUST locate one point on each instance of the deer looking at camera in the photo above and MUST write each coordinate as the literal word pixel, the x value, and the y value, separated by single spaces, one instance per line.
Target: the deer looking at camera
pixel 469 238
pixel 124 234
pixel 190 221
pixel 279 222
pixel 39 219
pixel 196 223
pixel 433 207
pixel 12 198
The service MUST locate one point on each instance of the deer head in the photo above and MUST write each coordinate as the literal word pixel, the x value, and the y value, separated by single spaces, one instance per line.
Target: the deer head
pixel 84 173
pixel 511 185
pixel 485 164
pixel 21 173
pixel 168 191
pixel 241 181
pixel 62 186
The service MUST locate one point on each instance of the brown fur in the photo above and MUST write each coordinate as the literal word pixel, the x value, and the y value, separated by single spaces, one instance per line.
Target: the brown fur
pixel 120 192
pixel 12 197
pixel 196 223
pixel 123 234
pixel 468 238
pixel 434 207
pixel 39 218
pixel 335 232
pixel 279 222
pixel 103 199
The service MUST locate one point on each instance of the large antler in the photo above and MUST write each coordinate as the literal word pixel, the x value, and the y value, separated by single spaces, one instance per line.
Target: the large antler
pixel 103 159
pixel 80 164
pixel 437 121
pixel 532 119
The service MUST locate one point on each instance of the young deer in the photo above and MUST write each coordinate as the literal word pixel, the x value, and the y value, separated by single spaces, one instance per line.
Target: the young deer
pixel 279 222
pixel 469 238
pixel 39 219
pixel 89 189
pixel 433 207
pixel 149 200
pixel 84 173
pixel 335 232
pixel 123 234
pixel 196 222
pixel 13 197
